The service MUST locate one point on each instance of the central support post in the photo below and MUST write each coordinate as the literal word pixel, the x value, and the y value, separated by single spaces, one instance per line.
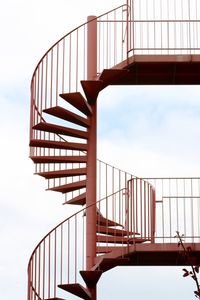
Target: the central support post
pixel 92 152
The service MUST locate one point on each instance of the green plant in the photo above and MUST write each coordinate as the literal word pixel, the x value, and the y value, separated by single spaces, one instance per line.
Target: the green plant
pixel 194 268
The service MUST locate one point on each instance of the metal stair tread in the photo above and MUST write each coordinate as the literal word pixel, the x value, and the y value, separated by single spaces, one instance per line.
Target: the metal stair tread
pixel 114 231
pixel 106 222
pixel 91 89
pixel 76 289
pixel 78 200
pixel 91 277
pixel 59 159
pixel 63 173
pixel 112 76
pixel 67 115
pixel 70 187
pixel 119 240
pixel 78 101
pixel 53 128
pixel 58 145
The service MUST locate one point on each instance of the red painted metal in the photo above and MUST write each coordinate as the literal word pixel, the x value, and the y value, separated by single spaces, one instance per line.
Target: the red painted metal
pixel 55 256
pixel 127 220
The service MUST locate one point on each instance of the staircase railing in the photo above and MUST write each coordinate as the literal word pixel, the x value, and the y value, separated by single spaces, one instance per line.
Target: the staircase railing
pixel 177 202
pixel 150 209
pixel 64 65
pixel 163 27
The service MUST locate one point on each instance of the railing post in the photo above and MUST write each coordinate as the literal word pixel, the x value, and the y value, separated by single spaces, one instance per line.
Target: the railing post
pixel 153 214
pixel 91 213
pixel 127 31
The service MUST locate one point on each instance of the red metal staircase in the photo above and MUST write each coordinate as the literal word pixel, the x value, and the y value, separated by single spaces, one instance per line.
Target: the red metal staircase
pixel 116 225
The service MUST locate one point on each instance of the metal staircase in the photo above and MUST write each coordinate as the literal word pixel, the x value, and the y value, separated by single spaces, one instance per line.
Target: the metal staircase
pixel 117 223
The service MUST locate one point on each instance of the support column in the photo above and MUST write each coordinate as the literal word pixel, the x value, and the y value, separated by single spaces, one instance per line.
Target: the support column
pixel 91 48
pixel 91 194
pixel 92 153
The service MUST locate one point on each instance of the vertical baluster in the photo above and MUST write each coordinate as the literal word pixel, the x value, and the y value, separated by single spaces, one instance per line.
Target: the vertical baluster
pixel 144 214
pixel 49 268
pixel 44 269
pixel 68 257
pixel 84 53
pixel 115 38
pixel 75 246
pixel 83 243
pixel 141 207
pixel 184 208
pixel 148 233
pixel 192 210
pixel 177 206
pixel 170 217
pixel 61 254
pixel 55 261
pixel 57 73
pixel 51 82
pixel 63 66
pixel 35 283
pixel 70 62
pixel 77 62
pixel 39 269
pixel 46 82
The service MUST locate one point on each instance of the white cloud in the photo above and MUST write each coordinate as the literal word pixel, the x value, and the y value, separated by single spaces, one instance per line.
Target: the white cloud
pixel 28 29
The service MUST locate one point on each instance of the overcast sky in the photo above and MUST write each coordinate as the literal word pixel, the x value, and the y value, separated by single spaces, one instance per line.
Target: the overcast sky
pixel 158 130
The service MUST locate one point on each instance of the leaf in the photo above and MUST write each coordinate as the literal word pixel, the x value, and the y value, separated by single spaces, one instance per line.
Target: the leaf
pixel 186 274
pixel 197 269
pixel 185 270
pixel 193 277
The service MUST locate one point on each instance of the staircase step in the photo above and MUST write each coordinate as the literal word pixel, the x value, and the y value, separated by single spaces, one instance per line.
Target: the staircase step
pixel 104 249
pixel 114 231
pixel 70 187
pixel 91 89
pixel 91 277
pixel 111 249
pixel 112 76
pixel 119 240
pixel 77 290
pixel 79 200
pixel 48 127
pixel 59 159
pixel 106 222
pixel 78 101
pixel 63 173
pixel 58 145
pixel 67 115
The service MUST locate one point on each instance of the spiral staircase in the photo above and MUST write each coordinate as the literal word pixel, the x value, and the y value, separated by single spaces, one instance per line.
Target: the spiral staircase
pixel 111 225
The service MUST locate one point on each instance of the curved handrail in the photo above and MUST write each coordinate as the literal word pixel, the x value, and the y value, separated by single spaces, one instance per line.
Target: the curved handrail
pixel 83 24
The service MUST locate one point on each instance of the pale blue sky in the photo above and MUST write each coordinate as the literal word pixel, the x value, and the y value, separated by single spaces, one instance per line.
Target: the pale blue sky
pixel 145 122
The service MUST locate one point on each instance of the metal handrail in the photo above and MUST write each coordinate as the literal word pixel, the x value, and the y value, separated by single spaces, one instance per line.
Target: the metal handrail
pixel 69 33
